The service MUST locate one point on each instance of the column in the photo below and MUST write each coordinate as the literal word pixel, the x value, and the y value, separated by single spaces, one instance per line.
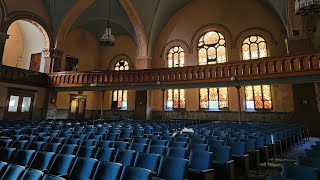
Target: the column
pixel 52 104
pixel 56 56
pixel 102 103
pixel 47 60
pixel 163 99
pixel 239 104
pixel 3 39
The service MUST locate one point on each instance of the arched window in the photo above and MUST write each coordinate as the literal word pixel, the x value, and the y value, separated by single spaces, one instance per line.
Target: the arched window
pixel 120 97
pixel 175 98
pixel 214 98
pixel 257 97
pixel 175 57
pixel 212 48
pixel 254 47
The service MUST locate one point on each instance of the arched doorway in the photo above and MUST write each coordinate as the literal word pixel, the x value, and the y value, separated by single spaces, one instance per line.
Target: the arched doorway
pixel 27 46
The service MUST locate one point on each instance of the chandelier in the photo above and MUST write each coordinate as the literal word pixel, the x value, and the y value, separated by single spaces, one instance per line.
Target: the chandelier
pixel 107 38
pixel 306 7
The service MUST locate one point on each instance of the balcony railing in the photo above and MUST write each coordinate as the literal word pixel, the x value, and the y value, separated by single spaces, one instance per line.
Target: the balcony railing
pixel 22 76
pixel 266 68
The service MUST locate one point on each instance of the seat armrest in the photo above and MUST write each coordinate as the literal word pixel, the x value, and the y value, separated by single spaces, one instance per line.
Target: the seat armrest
pixel 194 174
pixel 63 176
pixel 45 171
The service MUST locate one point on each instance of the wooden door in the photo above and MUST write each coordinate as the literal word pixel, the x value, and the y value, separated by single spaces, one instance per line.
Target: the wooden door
pixel 77 107
pixel 19 104
pixel 306 107
pixel 35 62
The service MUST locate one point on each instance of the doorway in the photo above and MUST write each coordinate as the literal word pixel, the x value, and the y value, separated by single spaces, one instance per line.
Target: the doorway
pixel 77 107
pixel 306 109
pixel 19 104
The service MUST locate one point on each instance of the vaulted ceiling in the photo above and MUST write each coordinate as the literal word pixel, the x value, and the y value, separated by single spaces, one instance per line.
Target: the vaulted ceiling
pixel 154 15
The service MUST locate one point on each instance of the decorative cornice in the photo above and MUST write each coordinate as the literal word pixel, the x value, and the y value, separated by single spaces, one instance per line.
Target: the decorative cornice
pixel 173 42
pixel 208 26
pixel 264 30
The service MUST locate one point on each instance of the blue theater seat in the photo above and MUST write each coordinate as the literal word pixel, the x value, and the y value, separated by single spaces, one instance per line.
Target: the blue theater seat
pixel 83 168
pixel 138 147
pixel 159 142
pixel 42 160
pixel 23 157
pixel 121 145
pixel 157 149
pixel 148 161
pixel 107 170
pixel 177 152
pixel 135 173
pixel 6 154
pixel 86 151
pixel 13 172
pixel 125 157
pixel 32 174
pixel 105 154
pixel 69 149
pixel 36 145
pixel 61 165
pixel 200 167
pixel 172 168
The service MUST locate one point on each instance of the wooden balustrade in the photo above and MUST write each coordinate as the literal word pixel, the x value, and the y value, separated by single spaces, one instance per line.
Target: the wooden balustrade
pixel 22 76
pixel 266 68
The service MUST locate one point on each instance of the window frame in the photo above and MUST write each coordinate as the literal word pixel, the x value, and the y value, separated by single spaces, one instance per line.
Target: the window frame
pixel 208 93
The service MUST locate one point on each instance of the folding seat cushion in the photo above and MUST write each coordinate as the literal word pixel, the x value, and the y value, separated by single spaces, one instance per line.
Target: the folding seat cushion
pixel 6 142
pixel 86 151
pixel 138 147
pixel 112 136
pixel 83 168
pixel 61 164
pixel 107 170
pixel 32 174
pixel 200 165
pixel 20 144
pixel 148 161
pixel 23 157
pixel 159 142
pixel 125 157
pixel 6 154
pixel 177 144
pixel 121 145
pixel 75 141
pixel 157 149
pixel 53 147
pixel 141 140
pixel 198 141
pixel 69 149
pixel 198 147
pixel 36 145
pixel 298 172
pixel 88 142
pixel 13 172
pixel 177 152
pixel 42 160
pixel 135 173
pixel 172 168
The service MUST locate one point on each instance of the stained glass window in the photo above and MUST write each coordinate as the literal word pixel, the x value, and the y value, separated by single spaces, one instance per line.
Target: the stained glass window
pixel 258 97
pixel 176 99
pixel 214 98
pixel 120 97
pixel 254 47
pixel 212 48
pixel 175 57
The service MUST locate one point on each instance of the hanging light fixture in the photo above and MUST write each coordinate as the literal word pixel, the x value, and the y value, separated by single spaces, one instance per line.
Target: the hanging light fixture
pixel 107 38
pixel 306 7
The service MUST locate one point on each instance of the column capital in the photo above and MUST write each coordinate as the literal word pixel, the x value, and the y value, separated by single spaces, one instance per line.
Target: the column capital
pixel 3 37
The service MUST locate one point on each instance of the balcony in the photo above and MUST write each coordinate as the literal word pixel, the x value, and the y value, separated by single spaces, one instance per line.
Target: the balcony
pixel 283 69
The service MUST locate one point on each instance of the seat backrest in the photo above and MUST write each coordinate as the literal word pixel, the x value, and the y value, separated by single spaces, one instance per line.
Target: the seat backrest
pixel 83 168
pixel 62 164
pixel 177 152
pixel 88 142
pixel 107 170
pixel 198 141
pixel 61 140
pixel 138 147
pixel 6 154
pixel 112 136
pixel 159 142
pixel 69 149
pixel 86 151
pixel 177 144
pixel 13 172
pixel 299 172
pixel 6 142
pixel 20 144
pixel 221 153
pixel 200 160
pixel 198 147
pixel 105 154
pixel 148 161
pixel 121 145
pixel 135 173
pixel 140 140
pixel 32 174
pixel 23 157
pixel 3 166
pixel 251 145
pixel 36 145
pixel 74 141
pixel 239 148
pixel 42 160
pixel 157 149
pixel 52 147
pixel 104 144
pixel 172 168
pixel 125 157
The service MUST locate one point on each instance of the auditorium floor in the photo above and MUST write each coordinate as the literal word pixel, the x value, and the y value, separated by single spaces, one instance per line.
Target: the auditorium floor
pixel 275 167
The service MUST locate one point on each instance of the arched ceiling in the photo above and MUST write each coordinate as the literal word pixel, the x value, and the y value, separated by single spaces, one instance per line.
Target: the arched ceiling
pixel 154 15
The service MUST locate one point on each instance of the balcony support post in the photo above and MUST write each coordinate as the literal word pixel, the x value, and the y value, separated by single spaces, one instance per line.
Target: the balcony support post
pixel 102 103
pixel 239 104
pixel 162 111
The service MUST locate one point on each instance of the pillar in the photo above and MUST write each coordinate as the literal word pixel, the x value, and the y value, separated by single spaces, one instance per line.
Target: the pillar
pixel 102 104
pixel 163 99
pixel 3 39
pixel 56 56
pixel 239 104
pixel 47 60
